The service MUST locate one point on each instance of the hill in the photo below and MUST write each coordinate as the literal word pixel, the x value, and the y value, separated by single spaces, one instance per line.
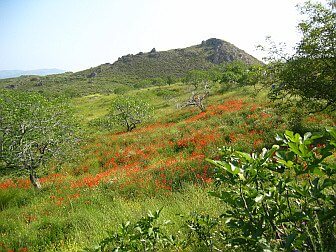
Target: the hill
pixel 175 62
pixel 140 70
pixel 41 72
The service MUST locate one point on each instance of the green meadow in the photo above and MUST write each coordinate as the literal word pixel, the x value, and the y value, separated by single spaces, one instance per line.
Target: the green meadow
pixel 120 176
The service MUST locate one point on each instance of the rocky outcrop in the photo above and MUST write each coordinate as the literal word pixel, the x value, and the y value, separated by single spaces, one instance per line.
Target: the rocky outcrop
pixel 221 51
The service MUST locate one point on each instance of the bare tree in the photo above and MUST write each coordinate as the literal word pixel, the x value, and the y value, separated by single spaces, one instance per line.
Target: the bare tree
pixel 197 99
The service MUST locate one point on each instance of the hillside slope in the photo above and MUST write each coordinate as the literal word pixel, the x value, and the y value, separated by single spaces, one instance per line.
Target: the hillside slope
pixel 175 62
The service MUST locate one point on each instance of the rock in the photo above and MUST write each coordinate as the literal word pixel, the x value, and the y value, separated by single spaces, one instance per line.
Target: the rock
pixel 92 75
pixel 11 86
pixel 34 79
pixel 39 83
pixel 213 42
pixel 126 58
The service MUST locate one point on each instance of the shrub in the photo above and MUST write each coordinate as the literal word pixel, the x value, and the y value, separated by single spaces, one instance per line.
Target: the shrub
pixel 144 235
pixel 282 198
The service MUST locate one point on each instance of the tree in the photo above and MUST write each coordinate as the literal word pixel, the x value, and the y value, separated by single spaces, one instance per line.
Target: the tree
pixel 33 130
pixel 129 112
pixel 196 77
pixel 197 99
pixel 235 72
pixel 310 73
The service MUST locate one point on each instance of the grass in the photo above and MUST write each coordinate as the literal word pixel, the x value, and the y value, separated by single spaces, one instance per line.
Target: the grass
pixel 123 175
pixel 81 222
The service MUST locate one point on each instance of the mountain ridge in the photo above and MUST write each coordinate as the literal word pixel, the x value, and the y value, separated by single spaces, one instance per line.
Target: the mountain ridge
pixel 40 72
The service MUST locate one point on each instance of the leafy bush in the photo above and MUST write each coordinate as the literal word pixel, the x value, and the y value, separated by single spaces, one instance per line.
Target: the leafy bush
pixel 201 232
pixel 241 73
pixel 282 198
pixel 144 235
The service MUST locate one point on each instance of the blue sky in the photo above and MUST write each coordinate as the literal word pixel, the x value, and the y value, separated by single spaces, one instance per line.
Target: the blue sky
pixel 78 34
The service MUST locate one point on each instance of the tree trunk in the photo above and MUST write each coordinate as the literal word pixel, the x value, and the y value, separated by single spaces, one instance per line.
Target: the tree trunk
pixel 35 181
pixel 132 127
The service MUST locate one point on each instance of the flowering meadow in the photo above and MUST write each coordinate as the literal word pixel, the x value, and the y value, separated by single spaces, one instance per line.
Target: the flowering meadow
pixel 120 175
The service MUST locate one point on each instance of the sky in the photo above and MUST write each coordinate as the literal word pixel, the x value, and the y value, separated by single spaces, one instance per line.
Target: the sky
pixel 78 34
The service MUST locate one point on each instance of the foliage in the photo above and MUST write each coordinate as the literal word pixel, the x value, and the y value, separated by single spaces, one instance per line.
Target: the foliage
pixel 235 72
pixel 309 74
pixel 202 233
pixel 148 234
pixel 241 74
pixel 33 130
pixel 281 198
pixel 196 78
pixel 129 112
pixel 144 235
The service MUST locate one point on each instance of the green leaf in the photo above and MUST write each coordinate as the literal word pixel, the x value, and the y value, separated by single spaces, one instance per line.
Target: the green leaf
pixel 244 155
pixel 279 138
pixel 234 169
pixel 259 198
pixel 318 171
pixel 241 176
pixel 316 136
pixel 289 135
pixel 269 153
pixel 307 136
pixel 150 231
pixel 294 148
pixel 304 150
pixel 331 131
pixel 289 240
pixel 288 163
pixel 328 183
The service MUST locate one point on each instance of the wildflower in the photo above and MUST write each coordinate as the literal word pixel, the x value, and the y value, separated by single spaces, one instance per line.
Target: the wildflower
pixel 7 184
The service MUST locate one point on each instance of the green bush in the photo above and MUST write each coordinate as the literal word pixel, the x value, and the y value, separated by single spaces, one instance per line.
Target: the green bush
pixel 282 198
pixel 201 232
pixel 144 235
